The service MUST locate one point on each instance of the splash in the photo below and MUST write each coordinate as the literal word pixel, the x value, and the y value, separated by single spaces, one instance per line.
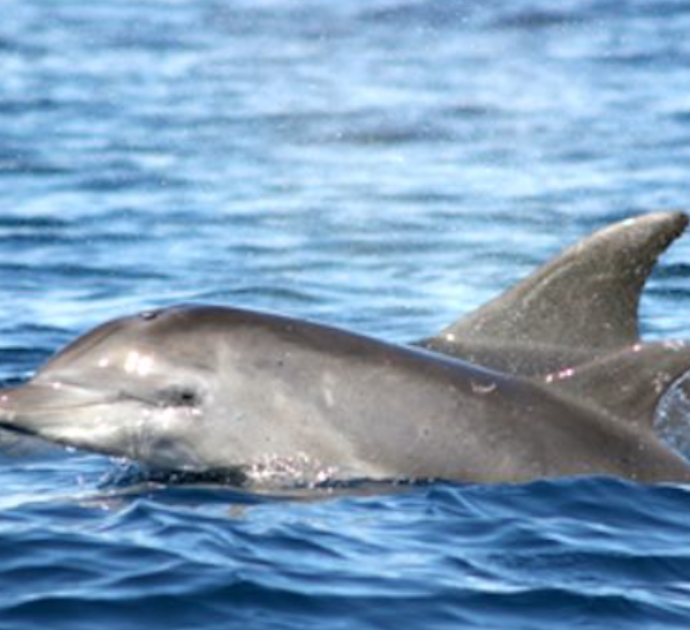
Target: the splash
pixel 672 421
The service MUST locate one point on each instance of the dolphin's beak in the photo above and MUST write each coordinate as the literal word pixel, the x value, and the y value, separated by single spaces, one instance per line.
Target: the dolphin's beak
pixel 18 405
pixel 46 408
pixel 104 420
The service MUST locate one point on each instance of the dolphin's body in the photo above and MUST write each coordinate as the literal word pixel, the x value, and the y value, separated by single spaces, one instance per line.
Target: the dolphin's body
pixel 277 399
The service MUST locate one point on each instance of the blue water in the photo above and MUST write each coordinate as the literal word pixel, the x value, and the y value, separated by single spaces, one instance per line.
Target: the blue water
pixel 382 165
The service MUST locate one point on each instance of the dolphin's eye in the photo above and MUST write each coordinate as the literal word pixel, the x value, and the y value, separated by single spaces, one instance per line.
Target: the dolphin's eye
pixel 178 397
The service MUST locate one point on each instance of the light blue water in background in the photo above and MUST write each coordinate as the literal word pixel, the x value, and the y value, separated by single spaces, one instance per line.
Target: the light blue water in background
pixel 382 165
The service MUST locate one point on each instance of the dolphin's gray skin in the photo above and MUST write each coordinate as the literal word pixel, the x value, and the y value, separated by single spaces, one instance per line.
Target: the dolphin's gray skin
pixel 208 388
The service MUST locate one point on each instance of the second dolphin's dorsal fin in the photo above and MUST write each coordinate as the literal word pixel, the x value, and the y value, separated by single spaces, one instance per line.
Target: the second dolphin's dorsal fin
pixel 628 383
pixel 585 298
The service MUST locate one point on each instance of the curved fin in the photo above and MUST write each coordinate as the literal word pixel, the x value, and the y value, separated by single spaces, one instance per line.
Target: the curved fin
pixel 627 384
pixel 585 299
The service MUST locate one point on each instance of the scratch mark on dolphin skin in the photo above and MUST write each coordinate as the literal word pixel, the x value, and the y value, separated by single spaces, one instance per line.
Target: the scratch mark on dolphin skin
pixel 479 388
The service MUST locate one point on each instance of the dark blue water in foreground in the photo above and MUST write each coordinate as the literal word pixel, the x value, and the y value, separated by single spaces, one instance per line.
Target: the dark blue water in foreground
pixel 382 165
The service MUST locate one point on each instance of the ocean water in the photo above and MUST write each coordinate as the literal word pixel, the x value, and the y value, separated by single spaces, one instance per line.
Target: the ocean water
pixel 384 166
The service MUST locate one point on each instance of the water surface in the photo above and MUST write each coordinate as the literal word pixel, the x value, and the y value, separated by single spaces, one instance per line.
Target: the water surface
pixel 384 166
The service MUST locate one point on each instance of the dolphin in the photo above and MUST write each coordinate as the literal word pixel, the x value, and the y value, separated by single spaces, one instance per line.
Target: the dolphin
pixel 580 306
pixel 275 400
pixel 573 323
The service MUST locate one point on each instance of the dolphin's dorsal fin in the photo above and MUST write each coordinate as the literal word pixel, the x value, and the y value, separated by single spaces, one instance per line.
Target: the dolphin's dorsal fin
pixel 585 298
pixel 629 383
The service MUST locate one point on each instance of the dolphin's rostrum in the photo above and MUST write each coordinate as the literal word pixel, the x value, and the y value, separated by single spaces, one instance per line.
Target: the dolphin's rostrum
pixel 205 388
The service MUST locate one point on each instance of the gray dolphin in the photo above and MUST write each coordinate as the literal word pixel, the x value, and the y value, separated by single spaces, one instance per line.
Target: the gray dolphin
pixel 573 323
pixel 278 400
pixel 580 306
pixel 275 399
